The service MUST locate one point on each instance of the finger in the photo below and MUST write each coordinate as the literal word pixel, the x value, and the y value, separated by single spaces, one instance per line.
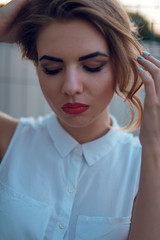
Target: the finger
pixel 152 59
pixel 150 90
pixel 153 69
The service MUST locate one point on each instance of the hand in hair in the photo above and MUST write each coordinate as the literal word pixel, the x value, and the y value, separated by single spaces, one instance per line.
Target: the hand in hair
pixel 7 15
pixel 147 208
pixel 150 75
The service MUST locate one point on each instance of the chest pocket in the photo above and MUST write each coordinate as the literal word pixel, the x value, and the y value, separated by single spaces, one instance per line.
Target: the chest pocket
pixel 102 228
pixel 21 218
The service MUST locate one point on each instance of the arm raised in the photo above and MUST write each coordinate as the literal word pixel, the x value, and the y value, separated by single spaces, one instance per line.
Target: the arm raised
pixel 7 15
pixel 146 214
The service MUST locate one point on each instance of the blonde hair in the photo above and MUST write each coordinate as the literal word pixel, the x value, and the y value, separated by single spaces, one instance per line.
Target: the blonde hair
pixel 111 20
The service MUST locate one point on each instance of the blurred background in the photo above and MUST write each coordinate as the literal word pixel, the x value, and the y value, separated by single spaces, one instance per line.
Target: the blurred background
pixel 20 94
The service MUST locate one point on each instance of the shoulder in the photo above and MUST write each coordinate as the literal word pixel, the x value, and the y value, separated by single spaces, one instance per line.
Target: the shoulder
pixel 27 129
pixel 8 125
pixel 126 146
pixel 129 143
pixel 129 138
pixel 130 150
pixel 124 138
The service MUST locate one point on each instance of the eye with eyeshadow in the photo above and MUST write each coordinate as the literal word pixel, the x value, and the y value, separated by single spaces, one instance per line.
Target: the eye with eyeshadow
pixel 51 72
pixel 85 67
pixel 94 69
pixel 92 63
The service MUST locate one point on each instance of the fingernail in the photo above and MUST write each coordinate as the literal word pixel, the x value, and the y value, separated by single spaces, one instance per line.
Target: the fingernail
pixel 146 53
pixel 140 69
pixel 140 57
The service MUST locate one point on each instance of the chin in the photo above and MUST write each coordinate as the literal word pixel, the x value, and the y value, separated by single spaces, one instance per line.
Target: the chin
pixel 75 123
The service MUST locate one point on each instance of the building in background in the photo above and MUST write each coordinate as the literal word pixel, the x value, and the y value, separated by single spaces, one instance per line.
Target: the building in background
pixel 20 94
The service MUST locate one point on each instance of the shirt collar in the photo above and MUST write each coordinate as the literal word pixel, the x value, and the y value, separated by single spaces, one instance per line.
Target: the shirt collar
pixel 63 142
pixel 97 149
pixel 92 151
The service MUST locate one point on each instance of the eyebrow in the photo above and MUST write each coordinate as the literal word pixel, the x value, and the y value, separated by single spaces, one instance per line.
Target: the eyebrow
pixel 92 55
pixel 50 58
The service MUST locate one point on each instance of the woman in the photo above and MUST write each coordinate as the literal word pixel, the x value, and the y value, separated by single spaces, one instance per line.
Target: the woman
pixel 73 174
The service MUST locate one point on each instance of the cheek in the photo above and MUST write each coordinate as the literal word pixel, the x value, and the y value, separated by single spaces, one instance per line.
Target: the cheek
pixel 46 84
pixel 46 88
pixel 43 86
pixel 49 94
pixel 110 82
pixel 107 91
pixel 105 85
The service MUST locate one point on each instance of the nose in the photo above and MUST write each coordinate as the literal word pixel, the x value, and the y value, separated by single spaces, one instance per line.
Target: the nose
pixel 72 82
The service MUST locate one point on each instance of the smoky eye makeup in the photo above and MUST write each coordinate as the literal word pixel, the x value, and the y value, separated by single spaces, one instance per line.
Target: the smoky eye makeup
pixel 51 72
pixel 93 69
pixel 51 65
pixel 51 69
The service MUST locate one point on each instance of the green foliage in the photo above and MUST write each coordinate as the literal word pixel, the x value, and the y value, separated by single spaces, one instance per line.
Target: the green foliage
pixel 145 28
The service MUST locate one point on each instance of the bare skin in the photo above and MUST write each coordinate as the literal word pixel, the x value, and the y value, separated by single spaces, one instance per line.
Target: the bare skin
pixel 7 15
pixel 146 215
pixel 146 212
pixel 73 82
pixel 7 128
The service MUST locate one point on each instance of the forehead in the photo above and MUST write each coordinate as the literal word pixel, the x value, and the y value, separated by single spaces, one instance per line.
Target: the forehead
pixel 71 37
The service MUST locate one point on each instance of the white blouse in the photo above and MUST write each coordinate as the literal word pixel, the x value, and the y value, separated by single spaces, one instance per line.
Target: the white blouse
pixel 53 188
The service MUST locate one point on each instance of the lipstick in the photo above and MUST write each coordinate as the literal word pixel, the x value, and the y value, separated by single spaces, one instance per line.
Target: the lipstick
pixel 74 108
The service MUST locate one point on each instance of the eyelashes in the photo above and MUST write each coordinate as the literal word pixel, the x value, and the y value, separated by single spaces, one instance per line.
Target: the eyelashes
pixel 96 69
pixel 86 68
pixel 51 72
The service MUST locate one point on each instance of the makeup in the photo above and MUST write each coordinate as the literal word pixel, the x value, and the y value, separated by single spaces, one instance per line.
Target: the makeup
pixel 74 108
pixel 93 55
pixel 89 56
pixel 50 58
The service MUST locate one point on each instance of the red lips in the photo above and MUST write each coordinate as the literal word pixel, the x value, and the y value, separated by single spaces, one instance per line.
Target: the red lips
pixel 74 108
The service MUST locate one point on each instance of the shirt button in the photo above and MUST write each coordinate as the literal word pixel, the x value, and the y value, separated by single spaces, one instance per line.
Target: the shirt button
pixel 62 225
pixel 71 189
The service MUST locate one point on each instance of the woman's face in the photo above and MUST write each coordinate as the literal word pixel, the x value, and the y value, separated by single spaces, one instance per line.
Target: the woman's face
pixel 75 73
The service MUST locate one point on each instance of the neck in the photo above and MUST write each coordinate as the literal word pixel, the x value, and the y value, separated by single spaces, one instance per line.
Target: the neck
pixel 89 133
